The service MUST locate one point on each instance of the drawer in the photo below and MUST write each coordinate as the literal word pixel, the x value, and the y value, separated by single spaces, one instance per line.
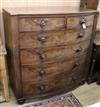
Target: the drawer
pixel 47 39
pixel 48 70
pixel 59 82
pixel 80 22
pixel 38 24
pixel 49 55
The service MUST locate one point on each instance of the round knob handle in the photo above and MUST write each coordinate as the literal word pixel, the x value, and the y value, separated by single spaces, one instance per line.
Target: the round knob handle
pixel 83 23
pixel 42 23
pixel 42 56
pixel 79 49
pixel 42 88
pixel 42 73
pixel 83 20
pixel 81 35
pixel 76 64
pixel 42 39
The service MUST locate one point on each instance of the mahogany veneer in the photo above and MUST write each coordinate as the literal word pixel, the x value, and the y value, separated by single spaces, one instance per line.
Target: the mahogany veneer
pixel 49 49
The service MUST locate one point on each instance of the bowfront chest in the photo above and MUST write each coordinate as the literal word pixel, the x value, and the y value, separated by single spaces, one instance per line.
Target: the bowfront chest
pixel 49 49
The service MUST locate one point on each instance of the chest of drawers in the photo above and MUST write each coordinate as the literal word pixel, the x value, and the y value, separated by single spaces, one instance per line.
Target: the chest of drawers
pixel 49 49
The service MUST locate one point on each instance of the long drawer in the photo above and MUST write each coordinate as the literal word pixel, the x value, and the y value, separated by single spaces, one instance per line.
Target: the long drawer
pixel 27 24
pixel 31 73
pixel 53 38
pixel 58 82
pixel 34 57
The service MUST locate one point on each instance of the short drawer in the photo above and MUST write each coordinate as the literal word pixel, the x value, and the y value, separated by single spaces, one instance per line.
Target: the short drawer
pixel 49 55
pixel 48 70
pixel 39 24
pixel 80 22
pixel 58 82
pixel 48 39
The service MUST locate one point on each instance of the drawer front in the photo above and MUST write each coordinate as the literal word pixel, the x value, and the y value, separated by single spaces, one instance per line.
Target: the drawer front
pixel 48 55
pixel 80 22
pixel 38 24
pixel 47 71
pixel 47 39
pixel 50 86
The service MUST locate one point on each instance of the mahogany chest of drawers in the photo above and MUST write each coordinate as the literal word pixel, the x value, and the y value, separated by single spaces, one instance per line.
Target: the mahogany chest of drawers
pixel 49 49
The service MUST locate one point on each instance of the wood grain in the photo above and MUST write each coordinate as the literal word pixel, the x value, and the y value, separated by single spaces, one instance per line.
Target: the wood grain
pixel 56 53
pixel 53 38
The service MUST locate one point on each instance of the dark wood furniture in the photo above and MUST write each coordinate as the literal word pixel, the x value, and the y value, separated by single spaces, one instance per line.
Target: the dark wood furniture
pixel 89 4
pixel 94 71
pixel 94 74
pixel 49 49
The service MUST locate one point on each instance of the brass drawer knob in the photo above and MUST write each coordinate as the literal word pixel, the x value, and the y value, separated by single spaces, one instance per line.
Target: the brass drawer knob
pixel 42 73
pixel 83 23
pixel 42 56
pixel 41 88
pixel 42 23
pixel 78 49
pixel 76 65
pixel 81 35
pixel 42 38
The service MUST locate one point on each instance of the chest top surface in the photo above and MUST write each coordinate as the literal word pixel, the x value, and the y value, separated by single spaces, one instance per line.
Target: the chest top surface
pixel 46 10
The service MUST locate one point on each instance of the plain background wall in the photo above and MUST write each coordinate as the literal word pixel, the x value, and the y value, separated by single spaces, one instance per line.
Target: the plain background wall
pixel 31 3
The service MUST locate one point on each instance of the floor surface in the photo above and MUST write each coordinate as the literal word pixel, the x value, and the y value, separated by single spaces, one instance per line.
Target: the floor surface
pixel 88 95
